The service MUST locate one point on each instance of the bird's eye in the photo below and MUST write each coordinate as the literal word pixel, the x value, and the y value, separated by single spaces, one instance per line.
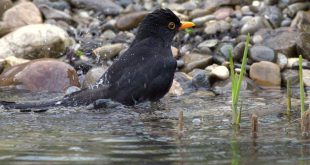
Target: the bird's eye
pixel 171 25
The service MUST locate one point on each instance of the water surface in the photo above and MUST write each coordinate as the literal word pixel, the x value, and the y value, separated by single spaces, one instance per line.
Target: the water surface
pixel 149 134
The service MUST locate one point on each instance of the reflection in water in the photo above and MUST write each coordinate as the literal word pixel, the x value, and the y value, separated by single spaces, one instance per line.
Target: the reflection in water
pixel 142 135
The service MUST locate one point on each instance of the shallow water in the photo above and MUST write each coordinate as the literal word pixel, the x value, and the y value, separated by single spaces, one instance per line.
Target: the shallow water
pixel 148 134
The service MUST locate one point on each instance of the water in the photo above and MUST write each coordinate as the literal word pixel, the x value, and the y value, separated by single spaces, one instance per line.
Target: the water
pixel 149 134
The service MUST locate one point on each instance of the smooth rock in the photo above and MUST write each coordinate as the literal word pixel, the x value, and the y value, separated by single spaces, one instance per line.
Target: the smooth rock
pixel 303 45
pixel 290 75
pixel 262 53
pixel 211 43
pixel 223 13
pixel 273 14
pixel 282 60
pixel 5 5
pixel 176 89
pixel 200 21
pixel 282 40
pixel 184 80
pixel 302 21
pixel 212 27
pixel 220 72
pixel 294 8
pixel 200 78
pixel 271 2
pixel 40 75
pixel 254 24
pixel 107 7
pixel 35 41
pixel 12 61
pixel 51 13
pixel 130 21
pixel 306 77
pixel 45 41
pixel 93 75
pixel 266 74
pixel 109 51
pixel 238 51
pixel 22 14
pixel 175 52
pixel 195 60
pixel 58 5
pixel 223 49
pixel 286 22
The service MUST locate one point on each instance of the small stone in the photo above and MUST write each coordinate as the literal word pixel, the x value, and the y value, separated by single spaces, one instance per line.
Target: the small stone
pixel 286 22
pixel 45 41
pixel 72 89
pixel 51 13
pixel 282 40
pixel 195 60
pixel 40 75
pixel 306 77
pixel 5 5
pixel 93 76
pixel 292 76
pixel 254 24
pixel 200 78
pixel 200 21
pixel 212 27
pixel 301 21
pixel 130 21
pixel 196 121
pixel 108 35
pixel 266 74
pixel 294 8
pixel 211 43
pixel 238 51
pixel 262 53
pixel 12 61
pixel 107 7
pixel 303 45
pixel 223 49
pixel 185 49
pixel 175 51
pixel 282 61
pixel 220 72
pixel 176 89
pixel 189 5
pixel 223 13
pixel 109 51
pixel 22 14
pixel 291 62
pixel 273 14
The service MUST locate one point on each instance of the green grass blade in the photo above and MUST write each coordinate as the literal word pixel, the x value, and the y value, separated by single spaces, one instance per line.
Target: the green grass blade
pixel 244 60
pixel 301 88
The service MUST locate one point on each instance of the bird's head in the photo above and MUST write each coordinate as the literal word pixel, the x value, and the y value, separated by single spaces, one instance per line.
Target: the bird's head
pixel 162 23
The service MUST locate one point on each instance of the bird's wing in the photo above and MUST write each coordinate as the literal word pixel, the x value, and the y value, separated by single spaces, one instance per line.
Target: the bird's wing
pixel 134 60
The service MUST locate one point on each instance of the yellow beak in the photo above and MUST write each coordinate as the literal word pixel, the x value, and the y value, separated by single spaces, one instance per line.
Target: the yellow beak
pixel 185 25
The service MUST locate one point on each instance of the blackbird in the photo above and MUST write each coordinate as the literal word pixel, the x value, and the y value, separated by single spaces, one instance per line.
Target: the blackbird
pixel 143 73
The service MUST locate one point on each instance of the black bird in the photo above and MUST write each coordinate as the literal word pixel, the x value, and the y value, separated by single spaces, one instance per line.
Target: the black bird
pixel 143 73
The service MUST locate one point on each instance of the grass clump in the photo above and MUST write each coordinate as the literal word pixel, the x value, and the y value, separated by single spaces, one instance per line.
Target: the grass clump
pixel 236 81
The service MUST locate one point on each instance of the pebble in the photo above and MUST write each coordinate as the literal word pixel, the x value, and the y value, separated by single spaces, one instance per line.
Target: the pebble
pixel 50 75
pixel 109 51
pixel 266 74
pixel 262 53
pixel 45 41
pixel 195 60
